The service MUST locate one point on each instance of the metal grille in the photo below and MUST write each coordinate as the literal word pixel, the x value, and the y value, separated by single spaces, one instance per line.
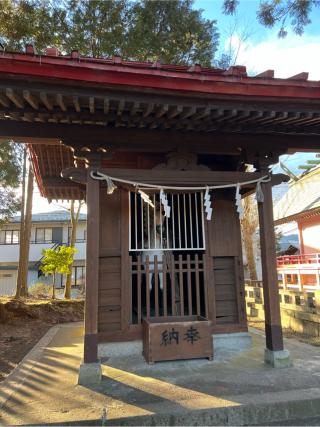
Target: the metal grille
pixel 173 285
pixel 150 230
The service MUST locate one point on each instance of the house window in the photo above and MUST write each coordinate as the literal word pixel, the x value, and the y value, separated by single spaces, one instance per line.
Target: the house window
pixel 43 235
pixel 10 237
pixel 79 238
pixel 78 276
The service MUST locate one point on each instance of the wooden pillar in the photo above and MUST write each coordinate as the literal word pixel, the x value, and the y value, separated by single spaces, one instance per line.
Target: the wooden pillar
pixel 92 271
pixel 274 339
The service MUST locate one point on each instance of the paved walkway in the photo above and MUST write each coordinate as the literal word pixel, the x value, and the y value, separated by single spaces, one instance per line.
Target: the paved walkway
pixel 232 390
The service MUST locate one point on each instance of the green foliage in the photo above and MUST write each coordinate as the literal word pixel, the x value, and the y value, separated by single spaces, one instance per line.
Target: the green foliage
pixel 97 28
pixel 273 12
pixel 172 32
pixel 31 21
pixel 40 290
pixel 169 30
pixel 57 260
pixel 10 174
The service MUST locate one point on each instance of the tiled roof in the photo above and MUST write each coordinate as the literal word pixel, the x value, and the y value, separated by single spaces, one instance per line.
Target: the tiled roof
pixel 303 197
pixel 55 216
pixel 118 71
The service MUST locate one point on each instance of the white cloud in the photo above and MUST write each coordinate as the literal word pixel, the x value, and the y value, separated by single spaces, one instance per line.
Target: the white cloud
pixel 287 57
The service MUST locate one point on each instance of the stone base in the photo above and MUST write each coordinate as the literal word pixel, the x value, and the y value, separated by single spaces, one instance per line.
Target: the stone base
pixel 90 374
pixel 277 359
pixel 231 343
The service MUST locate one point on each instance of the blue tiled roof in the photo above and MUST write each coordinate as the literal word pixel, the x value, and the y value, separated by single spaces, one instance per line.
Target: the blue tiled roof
pixel 59 216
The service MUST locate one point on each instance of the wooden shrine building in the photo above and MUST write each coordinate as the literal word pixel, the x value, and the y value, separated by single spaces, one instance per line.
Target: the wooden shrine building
pixel 168 126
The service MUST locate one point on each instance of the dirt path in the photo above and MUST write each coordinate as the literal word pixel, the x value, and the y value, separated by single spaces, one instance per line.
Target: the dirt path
pixel 23 323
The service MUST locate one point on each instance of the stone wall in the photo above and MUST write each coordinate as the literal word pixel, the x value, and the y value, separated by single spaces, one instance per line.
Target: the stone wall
pixel 300 311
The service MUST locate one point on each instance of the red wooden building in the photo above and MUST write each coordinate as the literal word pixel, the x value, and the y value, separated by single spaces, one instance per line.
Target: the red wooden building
pixel 168 126
pixel 301 204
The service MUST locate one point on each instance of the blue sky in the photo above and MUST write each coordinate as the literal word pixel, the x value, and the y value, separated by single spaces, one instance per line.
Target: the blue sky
pixel 263 49
pixel 246 12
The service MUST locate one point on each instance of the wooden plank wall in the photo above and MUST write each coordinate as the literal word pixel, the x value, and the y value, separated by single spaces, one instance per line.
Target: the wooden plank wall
pixel 109 310
pixel 225 260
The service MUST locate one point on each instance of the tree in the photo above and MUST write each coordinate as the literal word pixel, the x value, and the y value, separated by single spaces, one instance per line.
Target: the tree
pixel 32 21
pixel 249 224
pixel 172 32
pixel 169 30
pixel 57 261
pixel 97 28
pixel 273 12
pixel 25 233
pixel 74 218
pixel 10 173
pixel 237 35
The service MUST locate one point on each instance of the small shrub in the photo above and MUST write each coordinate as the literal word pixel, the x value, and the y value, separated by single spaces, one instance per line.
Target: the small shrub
pixel 40 290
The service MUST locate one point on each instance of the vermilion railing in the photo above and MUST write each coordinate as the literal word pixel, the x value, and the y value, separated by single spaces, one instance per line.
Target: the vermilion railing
pixel 286 260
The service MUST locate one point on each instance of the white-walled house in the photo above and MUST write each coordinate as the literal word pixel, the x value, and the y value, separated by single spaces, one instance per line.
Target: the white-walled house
pixel 301 205
pixel 49 230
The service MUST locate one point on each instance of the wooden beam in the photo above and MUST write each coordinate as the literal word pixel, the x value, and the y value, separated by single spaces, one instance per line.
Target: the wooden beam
pixel 14 97
pixel 188 113
pixel 106 105
pixel 187 100
pixel 52 182
pixel 274 339
pixel 45 100
pixel 31 99
pixel 134 108
pixel 300 76
pixel 60 102
pixel 216 122
pixel 204 113
pixel 268 74
pixel 78 175
pixel 121 106
pixel 175 111
pixel 4 100
pixel 148 110
pixel 162 110
pixel 91 104
pixel 160 141
pixel 76 104
pixel 28 117
pixel 188 178
pixel 92 272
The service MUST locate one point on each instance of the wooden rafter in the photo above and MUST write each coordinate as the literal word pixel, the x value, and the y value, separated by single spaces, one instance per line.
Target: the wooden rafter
pixel 44 99
pixel 14 97
pixel 31 99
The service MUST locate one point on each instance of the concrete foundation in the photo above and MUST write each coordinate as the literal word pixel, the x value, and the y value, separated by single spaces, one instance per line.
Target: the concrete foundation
pixel 237 389
pixel 223 345
pixel 90 374
pixel 277 359
pixel 238 341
